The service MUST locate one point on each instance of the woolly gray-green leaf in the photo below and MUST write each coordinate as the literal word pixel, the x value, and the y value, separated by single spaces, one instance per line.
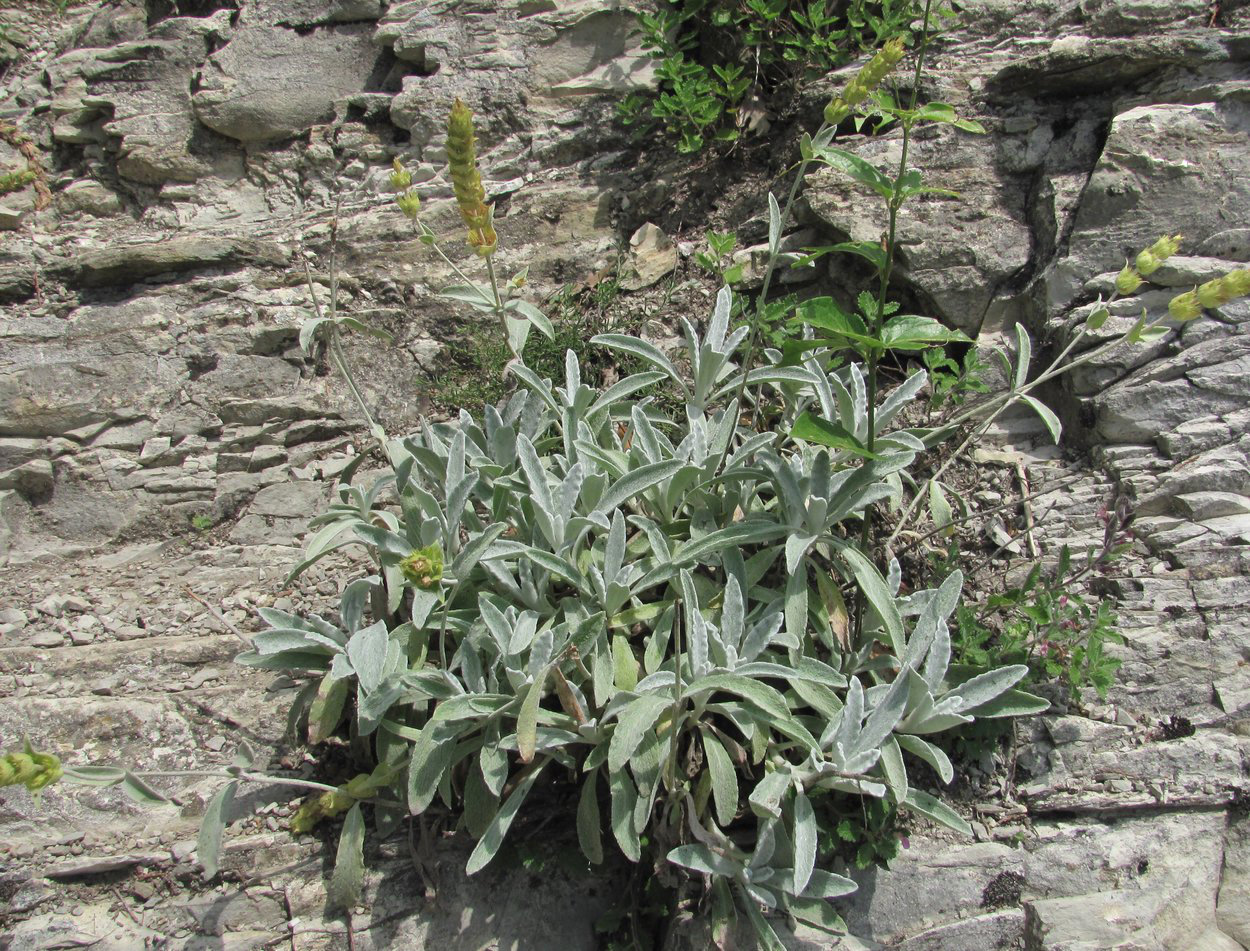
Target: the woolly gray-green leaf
pixel 1024 356
pixel 488 846
pixel 1053 426
pixel 348 877
pixel 589 828
pixel 724 779
pixel 624 796
pixel 756 692
pixel 637 482
pixel 212 826
pixel 877 593
pixel 805 834
pixel 632 724
pixel 765 798
pixel 527 719
pixel 139 791
pixel 933 808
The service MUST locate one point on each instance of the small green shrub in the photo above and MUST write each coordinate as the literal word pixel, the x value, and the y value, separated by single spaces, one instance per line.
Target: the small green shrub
pixel 16 180
pixel 951 382
pixel 712 56
pixel 1047 624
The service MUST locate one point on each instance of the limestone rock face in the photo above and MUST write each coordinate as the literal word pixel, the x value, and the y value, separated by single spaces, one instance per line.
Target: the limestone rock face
pixel 137 95
pixel 960 251
pixel 161 428
pixel 1177 164
pixel 259 87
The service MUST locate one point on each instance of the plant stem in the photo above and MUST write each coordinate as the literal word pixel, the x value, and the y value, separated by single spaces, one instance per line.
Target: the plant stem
pixel 426 232
pixel 249 777
pixel 824 133
pixel 246 777
pixel 878 319
pixel 337 356
pixel 340 359
pixel 499 311
pixel 1000 404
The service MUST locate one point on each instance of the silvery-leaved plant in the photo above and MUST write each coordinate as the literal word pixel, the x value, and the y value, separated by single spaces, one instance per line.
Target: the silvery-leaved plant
pixel 574 588
pixel 682 621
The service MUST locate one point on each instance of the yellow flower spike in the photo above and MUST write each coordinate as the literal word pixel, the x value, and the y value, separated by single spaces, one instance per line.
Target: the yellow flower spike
pixel 1237 283
pixel 1185 306
pixel 483 240
pixel 306 817
pixel 24 769
pixel 49 768
pixel 1128 280
pixel 1153 257
pixel 865 81
pixel 326 806
pixel 466 180
pixel 401 178
pixel 31 769
pixel 1213 294
pixel 409 203
pixel 333 803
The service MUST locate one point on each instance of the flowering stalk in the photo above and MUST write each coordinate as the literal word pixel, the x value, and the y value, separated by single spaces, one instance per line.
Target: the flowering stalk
pixel 31 769
pixel 865 81
pixel 470 196
pixel 467 180
pixel 1182 308
pixel 1153 257
pixel 877 69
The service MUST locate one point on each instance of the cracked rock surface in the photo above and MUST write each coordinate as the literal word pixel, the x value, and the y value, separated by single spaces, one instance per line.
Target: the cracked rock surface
pixel 150 374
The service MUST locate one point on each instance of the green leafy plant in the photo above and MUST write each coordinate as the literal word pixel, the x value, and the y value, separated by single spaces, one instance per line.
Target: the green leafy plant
pixel 951 383
pixel 714 56
pixel 1047 623
pixel 717 259
pixel 865 832
pixel 16 180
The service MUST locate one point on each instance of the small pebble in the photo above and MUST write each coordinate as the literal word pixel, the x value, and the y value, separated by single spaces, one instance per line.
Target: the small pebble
pixel 79 637
pixel 13 618
pixel 142 890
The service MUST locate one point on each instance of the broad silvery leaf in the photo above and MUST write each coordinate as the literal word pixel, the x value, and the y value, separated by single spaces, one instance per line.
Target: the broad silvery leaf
pixel 488 846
